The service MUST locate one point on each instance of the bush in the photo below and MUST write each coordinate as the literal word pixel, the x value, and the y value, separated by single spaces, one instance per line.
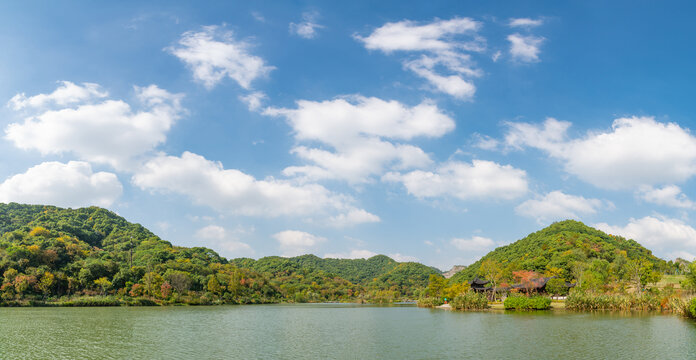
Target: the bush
pixel 526 303
pixel 429 302
pixel 556 286
pixel 579 300
pixel 469 301
pixel 692 308
pixel 92 301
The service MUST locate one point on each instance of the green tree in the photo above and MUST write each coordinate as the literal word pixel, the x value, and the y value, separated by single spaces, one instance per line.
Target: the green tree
pixel 436 283
pixel 214 285
pixel 556 286
pixel 46 283
pixel 103 283
pixel 494 272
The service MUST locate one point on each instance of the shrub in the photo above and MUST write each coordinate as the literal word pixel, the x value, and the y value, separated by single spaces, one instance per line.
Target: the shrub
pixel 578 300
pixel 692 308
pixel 469 301
pixel 429 302
pixel 527 303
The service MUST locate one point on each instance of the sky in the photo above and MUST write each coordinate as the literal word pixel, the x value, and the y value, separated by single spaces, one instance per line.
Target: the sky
pixel 425 132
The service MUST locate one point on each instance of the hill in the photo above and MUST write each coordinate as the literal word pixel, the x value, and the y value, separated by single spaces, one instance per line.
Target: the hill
pixel 49 253
pixel 378 273
pixel 559 247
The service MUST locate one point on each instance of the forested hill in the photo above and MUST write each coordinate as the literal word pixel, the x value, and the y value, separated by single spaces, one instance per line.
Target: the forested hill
pixel 559 247
pixel 97 227
pixel 49 253
pixel 358 271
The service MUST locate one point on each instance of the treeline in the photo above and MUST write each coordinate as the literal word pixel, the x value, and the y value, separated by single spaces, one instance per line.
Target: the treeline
pixel 54 255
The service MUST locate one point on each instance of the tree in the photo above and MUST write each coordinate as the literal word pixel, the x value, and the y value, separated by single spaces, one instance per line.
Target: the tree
pixel 690 281
pixel 556 286
pixel 103 284
pixel 640 273
pixel 436 283
pixel 46 283
pixel 152 282
pixel 179 280
pixel 494 272
pixel 214 285
pixel 525 278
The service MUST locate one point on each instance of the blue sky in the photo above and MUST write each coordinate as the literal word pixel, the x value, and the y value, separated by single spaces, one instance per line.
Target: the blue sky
pixel 425 132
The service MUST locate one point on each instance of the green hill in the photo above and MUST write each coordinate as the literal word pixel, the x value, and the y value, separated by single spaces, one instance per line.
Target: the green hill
pixel 558 247
pixel 49 253
pixel 353 270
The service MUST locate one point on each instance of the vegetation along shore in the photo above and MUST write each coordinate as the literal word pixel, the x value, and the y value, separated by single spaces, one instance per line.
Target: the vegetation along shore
pixel 92 257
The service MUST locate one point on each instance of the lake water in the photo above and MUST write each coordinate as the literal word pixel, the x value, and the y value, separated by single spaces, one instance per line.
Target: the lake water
pixel 336 331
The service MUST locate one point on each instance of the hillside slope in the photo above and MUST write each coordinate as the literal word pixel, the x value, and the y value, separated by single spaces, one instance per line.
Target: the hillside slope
pixel 559 246
pixel 48 252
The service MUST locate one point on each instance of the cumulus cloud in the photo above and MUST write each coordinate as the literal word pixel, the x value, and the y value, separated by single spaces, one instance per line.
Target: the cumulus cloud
pixel 558 206
pixel 665 236
pixel 66 94
pixel 353 254
pixel 434 48
pixel 525 48
pixel 234 192
pixel 213 54
pixel 525 22
pixel 294 243
pixel 253 100
pixel 475 244
pixel 636 151
pixel 472 248
pixel 669 195
pixel 66 185
pixel 308 27
pixel 104 131
pixel 352 217
pixel 356 129
pixel 219 238
pixel 479 180
pixel 403 258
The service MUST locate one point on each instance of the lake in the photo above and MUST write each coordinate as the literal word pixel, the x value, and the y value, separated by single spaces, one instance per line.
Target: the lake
pixel 337 331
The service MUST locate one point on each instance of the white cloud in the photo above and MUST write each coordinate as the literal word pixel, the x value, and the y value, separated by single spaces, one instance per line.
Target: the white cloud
pixel 308 27
pixel 636 151
pixel 409 36
pixel 253 100
pixel 664 236
pixel 356 128
pixel 440 47
pixel 352 217
pixel 67 94
pixel 219 238
pixel 558 206
pixel 234 192
pixel 681 254
pixel 65 185
pixel 479 180
pixel 403 258
pixel 669 195
pixel 213 54
pixel 475 244
pixel 211 232
pixel 496 56
pixel 108 132
pixel 294 243
pixel 353 254
pixel 525 48
pixel 525 22
pixel 485 142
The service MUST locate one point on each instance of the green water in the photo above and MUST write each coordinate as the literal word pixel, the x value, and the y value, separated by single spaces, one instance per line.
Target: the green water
pixel 332 331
